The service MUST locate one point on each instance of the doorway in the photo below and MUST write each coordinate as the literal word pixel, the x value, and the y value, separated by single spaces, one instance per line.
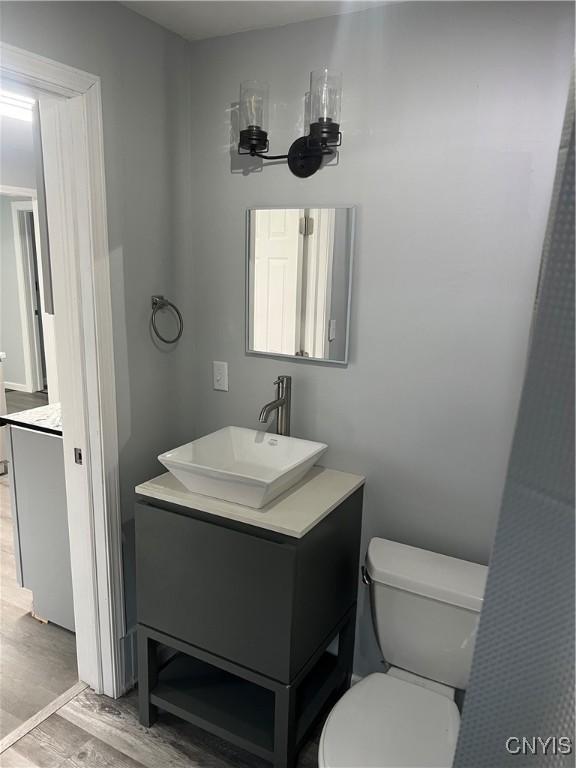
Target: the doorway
pixel 38 660
pixel 27 336
pixel 76 266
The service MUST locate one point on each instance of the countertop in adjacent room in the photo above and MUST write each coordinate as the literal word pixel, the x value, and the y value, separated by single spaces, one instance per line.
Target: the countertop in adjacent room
pixel 46 418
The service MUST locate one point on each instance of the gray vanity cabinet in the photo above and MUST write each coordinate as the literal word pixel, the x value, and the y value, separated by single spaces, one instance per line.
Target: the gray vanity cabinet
pixel 39 510
pixel 252 612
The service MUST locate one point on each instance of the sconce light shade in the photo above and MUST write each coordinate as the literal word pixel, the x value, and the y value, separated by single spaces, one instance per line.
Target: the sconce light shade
pixel 253 116
pixel 325 104
pixel 306 154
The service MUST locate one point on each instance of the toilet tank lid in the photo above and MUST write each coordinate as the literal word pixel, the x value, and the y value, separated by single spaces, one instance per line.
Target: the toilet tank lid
pixel 443 578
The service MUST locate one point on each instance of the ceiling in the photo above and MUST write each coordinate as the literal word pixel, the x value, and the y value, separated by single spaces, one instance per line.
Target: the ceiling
pixel 199 19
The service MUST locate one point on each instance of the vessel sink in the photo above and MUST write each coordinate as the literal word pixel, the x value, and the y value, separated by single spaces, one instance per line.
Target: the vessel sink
pixel 242 465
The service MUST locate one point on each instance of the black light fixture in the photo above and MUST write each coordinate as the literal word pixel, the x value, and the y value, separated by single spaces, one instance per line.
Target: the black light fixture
pixel 306 154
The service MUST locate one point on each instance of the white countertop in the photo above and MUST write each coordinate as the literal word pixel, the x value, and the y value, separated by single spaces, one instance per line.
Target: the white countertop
pixel 45 417
pixel 293 513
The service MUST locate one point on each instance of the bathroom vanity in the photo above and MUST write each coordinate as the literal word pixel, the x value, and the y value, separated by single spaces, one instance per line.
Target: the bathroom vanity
pixel 245 603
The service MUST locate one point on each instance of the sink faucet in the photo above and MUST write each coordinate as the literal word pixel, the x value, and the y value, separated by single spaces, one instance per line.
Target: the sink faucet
pixel 281 404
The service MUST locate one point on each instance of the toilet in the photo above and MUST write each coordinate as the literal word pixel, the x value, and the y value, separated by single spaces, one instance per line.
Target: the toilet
pixel 425 608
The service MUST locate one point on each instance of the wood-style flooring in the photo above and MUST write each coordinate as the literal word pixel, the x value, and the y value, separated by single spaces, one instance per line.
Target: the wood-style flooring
pixel 97 732
pixel 22 401
pixel 37 661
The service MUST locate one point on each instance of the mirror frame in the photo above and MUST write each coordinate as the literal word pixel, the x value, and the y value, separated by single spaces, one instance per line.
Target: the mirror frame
pixel 247 295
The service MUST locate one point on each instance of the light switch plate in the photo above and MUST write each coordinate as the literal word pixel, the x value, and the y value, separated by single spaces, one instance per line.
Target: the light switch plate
pixel 220 375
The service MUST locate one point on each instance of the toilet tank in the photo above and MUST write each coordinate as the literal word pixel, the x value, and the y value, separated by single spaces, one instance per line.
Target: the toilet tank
pixel 425 608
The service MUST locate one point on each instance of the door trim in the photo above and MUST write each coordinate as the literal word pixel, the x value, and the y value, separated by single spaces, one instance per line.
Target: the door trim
pixel 72 140
pixel 24 278
pixel 9 191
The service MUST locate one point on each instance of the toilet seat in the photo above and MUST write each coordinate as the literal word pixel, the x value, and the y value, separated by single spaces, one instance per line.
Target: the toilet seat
pixel 384 722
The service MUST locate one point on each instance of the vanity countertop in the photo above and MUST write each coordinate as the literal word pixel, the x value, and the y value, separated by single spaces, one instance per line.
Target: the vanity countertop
pixel 46 418
pixel 293 513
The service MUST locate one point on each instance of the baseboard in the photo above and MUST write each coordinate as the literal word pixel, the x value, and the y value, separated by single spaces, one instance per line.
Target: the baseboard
pixel 17 387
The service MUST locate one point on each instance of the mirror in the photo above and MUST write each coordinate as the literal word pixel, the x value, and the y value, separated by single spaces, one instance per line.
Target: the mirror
pixel 299 274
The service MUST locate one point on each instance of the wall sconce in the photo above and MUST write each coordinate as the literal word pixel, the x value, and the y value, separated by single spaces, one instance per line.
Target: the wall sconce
pixel 307 153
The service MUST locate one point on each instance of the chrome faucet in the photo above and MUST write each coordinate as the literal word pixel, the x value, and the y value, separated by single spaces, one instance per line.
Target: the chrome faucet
pixel 281 404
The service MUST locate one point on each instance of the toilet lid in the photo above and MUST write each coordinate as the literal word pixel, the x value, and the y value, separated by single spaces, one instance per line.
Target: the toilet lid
pixel 383 722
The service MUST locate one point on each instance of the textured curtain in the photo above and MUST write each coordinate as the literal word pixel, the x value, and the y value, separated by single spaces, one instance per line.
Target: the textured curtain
pixel 522 682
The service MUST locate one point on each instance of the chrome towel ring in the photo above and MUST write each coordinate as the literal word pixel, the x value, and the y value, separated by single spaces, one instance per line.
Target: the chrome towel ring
pixel 159 302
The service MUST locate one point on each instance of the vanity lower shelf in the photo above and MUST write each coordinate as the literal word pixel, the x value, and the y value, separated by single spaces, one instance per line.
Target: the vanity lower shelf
pixel 258 714
pixel 217 701
pixel 234 708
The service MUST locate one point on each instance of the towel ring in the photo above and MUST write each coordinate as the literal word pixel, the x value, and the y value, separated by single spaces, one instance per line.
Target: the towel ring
pixel 159 302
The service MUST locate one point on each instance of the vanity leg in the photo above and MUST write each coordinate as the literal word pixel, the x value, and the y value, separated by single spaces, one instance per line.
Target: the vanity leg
pixel 147 677
pixel 285 727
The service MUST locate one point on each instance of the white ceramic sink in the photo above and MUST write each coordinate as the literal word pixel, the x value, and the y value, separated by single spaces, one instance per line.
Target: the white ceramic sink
pixel 242 465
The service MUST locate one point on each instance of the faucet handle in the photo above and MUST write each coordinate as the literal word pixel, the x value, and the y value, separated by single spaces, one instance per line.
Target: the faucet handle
pixel 282 380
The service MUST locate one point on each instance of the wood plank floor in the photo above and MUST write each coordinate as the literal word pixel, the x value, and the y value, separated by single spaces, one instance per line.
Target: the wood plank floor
pixel 37 661
pixel 21 401
pixel 97 732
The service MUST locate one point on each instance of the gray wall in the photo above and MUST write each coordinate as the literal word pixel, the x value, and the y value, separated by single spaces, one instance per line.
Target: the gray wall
pixel 522 681
pixel 17 163
pixel 451 118
pixel 452 114
pixel 10 323
pixel 143 69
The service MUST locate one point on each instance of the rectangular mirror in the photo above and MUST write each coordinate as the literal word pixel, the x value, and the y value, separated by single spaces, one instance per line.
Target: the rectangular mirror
pixel 299 271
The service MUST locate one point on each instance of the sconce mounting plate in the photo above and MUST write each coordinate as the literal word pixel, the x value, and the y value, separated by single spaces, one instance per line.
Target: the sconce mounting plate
pixel 305 157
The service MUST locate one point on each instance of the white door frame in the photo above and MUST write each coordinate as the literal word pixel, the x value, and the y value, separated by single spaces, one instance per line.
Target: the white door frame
pixel 25 279
pixel 48 328
pixel 319 258
pixel 9 191
pixel 72 143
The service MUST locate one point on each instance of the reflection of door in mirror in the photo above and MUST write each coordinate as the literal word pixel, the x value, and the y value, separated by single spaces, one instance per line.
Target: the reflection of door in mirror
pixel 316 282
pixel 277 274
pixel 298 281
pixel 293 266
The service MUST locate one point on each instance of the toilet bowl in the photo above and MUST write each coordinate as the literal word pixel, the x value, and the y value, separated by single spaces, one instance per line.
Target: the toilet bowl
pixel 383 722
pixel 425 608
